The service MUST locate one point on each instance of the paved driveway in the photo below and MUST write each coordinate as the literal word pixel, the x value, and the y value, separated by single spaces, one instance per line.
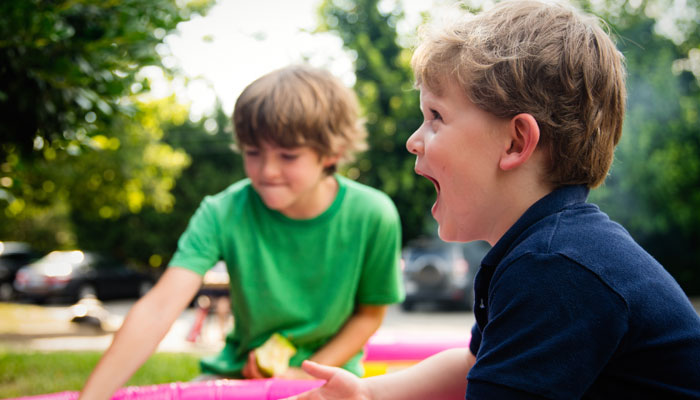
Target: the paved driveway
pixel 50 328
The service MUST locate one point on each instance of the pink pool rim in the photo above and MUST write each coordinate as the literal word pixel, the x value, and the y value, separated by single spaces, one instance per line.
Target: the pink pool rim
pixel 381 348
pixel 224 389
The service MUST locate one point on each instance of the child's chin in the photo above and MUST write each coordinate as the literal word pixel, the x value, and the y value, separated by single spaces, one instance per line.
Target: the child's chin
pixel 274 206
pixel 448 234
pixel 444 234
pixel 274 202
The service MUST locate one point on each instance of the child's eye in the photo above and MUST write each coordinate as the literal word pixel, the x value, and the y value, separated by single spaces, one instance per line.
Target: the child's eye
pixel 436 115
pixel 251 152
pixel 289 156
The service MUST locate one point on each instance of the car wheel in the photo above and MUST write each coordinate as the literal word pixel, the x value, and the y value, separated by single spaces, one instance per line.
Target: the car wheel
pixel 6 291
pixel 144 287
pixel 87 290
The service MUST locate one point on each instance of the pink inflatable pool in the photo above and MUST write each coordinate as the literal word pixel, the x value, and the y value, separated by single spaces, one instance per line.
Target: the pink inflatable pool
pixel 384 353
pixel 385 347
pixel 261 389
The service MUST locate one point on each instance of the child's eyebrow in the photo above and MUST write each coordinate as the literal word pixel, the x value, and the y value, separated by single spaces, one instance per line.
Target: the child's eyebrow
pixel 430 103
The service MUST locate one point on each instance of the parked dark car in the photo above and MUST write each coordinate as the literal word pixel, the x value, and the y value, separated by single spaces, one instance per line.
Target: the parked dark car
pixel 13 256
pixel 441 273
pixel 75 274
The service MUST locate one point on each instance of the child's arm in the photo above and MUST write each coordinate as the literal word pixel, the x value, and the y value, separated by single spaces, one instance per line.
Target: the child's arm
pixel 352 336
pixel 442 376
pixel 144 327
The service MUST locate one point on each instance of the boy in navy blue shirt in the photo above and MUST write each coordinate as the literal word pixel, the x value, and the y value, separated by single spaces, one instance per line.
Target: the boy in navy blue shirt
pixel 523 106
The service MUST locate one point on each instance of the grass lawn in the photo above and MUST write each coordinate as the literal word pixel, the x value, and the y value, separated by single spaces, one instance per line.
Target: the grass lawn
pixel 28 373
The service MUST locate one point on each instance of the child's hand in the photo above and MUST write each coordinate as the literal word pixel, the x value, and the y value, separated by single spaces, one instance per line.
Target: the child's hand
pixel 250 369
pixel 340 384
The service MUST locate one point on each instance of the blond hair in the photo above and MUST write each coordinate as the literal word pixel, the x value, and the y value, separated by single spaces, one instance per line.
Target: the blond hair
pixel 300 106
pixel 548 60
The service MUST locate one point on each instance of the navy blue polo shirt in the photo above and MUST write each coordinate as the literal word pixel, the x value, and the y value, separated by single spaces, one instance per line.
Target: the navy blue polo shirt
pixel 568 306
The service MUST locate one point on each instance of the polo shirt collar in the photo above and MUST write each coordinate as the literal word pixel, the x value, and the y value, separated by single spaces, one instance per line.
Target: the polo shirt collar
pixel 553 202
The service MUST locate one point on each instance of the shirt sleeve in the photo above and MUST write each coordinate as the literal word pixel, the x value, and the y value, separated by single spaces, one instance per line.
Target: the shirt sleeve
pixel 380 282
pixel 198 247
pixel 552 326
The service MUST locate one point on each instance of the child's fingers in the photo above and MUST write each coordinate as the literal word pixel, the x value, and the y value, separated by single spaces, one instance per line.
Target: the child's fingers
pixel 250 370
pixel 317 370
pixel 253 361
pixel 246 369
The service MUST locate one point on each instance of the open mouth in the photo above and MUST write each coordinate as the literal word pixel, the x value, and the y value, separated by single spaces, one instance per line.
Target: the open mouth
pixel 435 182
pixel 434 209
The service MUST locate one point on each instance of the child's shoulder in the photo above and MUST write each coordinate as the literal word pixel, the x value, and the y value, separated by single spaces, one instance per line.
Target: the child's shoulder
pixel 237 193
pixel 564 223
pixel 584 234
pixel 364 194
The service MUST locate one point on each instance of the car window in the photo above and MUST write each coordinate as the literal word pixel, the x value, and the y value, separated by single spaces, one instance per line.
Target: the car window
pixel 15 258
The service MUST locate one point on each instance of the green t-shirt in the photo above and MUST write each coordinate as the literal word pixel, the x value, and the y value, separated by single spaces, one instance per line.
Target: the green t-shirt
pixel 301 278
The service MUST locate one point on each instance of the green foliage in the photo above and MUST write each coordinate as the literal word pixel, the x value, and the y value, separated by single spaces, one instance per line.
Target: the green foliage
pixel 127 182
pixel 78 149
pixel 85 161
pixel 212 166
pixel 654 186
pixel 384 86
pixel 81 194
pixel 67 65
pixel 32 373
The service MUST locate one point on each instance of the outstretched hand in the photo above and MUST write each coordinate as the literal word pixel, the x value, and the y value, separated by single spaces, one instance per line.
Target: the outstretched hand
pixel 340 384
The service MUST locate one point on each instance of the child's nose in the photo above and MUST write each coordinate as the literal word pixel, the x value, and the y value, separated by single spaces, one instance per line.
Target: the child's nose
pixel 414 144
pixel 269 169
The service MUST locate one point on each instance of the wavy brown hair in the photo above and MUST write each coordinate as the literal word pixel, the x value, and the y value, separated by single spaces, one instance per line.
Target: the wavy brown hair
pixel 300 106
pixel 548 60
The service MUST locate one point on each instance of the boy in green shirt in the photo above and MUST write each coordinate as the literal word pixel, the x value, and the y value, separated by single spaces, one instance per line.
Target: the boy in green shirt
pixel 311 255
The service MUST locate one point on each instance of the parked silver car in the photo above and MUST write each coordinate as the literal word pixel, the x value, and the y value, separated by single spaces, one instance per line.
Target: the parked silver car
pixel 441 273
pixel 75 274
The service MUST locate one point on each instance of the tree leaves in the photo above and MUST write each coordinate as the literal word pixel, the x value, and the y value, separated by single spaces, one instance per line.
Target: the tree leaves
pixel 76 143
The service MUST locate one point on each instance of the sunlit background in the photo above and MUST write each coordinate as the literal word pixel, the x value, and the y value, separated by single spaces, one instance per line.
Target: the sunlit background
pixel 235 43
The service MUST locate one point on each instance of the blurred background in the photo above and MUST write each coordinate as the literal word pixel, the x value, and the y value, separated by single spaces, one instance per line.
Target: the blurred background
pixel 114 116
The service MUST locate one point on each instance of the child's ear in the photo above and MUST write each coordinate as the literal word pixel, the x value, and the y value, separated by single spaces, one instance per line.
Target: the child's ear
pixel 328 161
pixel 523 136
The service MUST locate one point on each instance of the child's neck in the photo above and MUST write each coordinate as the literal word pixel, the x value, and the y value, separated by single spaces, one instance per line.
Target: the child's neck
pixel 316 202
pixel 519 191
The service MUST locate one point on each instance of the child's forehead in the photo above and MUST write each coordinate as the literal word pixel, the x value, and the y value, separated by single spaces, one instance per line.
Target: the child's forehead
pixel 430 92
pixel 271 146
pixel 427 96
pixel 433 94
